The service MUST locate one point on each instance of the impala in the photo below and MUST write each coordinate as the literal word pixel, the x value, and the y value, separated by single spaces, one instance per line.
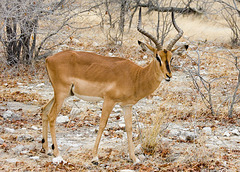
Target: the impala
pixel 115 80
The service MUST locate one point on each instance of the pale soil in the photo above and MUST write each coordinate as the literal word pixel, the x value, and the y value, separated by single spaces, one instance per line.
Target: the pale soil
pixel 21 148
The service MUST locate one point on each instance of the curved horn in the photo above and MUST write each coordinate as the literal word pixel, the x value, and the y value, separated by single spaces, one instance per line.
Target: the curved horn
pixel 177 37
pixel 142 31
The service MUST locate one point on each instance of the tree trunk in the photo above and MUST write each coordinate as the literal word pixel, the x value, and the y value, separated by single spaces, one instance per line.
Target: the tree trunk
pixel 11 43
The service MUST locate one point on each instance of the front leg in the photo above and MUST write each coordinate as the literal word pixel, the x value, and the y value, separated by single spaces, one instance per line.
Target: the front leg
pixel 127 111
pixel 106 110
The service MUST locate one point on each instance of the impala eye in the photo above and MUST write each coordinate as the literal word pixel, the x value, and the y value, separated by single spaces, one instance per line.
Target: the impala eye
pixel 171 60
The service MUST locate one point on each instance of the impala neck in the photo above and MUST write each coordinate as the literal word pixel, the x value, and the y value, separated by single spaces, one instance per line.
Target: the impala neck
pixel 151 77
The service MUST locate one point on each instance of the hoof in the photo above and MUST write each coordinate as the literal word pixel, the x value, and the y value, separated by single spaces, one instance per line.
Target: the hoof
pixel 44 151
pixel 49 154
pixel 95 160
pixel 58 160
pixel 56 153
pixel 137 162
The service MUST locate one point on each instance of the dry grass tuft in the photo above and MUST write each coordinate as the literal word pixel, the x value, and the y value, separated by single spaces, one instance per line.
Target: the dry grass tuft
pixel 151 135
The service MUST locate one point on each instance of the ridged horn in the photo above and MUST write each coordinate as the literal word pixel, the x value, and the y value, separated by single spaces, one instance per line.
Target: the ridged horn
pixel 142 31
pixel 177 37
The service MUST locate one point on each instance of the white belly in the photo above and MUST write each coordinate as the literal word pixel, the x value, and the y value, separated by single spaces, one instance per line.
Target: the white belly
pixel 90 91
pixel 89 98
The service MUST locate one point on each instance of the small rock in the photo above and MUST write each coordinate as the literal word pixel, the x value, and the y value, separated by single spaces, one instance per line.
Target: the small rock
pixel 23 129
pixel 34 128
pixel 7 114
pixel 121 125
pixel 35 101
pixel 235 132
pixel 30 87
pixel 175 126
pixel 187 136
pixel 165 140
pixel 9 130
pixel 174 133
pixel 11 115
pixel 12 160
pixel 157 98
pixel 62 119
pixel 95 44
pixel 24 152
pixel 1 141
pixel 117 110
pixel 226 134
pixel 119 42
pixel 75 41
pixel 207 131
pixel 75 111
pixel 40 85
pixel 138 149
pixel 1 129
pixel 106 133
pixel 35 157
pixel 145 57
pixel 18 149
pixel 63 47
pixel 141 157
pixel 27 138
pixel 19 84
pixel 141 63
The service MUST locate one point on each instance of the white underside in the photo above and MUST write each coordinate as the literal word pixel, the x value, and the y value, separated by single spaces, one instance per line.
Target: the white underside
pixel 85 84
pixel 89 98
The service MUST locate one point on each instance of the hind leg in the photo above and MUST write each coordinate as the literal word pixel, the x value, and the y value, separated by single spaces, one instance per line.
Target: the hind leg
pixel 45 111
pixel 57 104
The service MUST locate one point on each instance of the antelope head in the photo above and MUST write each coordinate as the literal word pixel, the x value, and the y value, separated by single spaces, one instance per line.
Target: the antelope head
pixel 162 56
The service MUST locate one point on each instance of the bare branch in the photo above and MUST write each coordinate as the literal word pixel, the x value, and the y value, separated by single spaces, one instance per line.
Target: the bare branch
pixel 186 10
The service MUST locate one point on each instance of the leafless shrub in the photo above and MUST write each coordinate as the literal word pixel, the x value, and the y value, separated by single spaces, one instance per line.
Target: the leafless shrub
pixel 231 14
pixel 235 97
pixel 113 15
pixel 116 15
pixel 201 84
pixel 28 27
pixel 216 89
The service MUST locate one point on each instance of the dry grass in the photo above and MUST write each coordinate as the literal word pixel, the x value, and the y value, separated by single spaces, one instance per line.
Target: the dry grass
pixel 151 136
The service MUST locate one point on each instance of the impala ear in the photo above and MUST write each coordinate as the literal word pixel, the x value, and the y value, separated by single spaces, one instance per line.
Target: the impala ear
pixel 142 45
pixel 180 49
pixel 145 47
